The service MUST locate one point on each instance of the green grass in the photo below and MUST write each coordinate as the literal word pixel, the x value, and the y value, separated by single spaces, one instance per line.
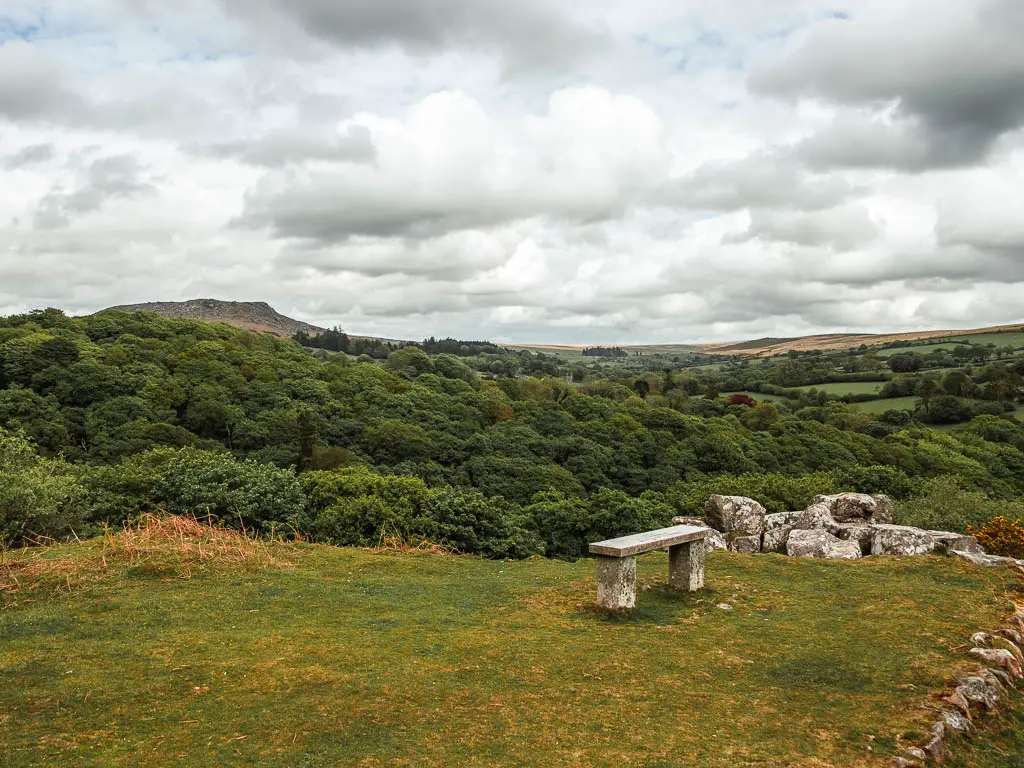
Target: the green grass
pixel 349 657
pixel 999 745
pixel 847 387
pixel 891 404
pixel 1015 338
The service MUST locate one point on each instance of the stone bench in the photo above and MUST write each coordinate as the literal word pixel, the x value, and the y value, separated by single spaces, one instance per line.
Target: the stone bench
pixel 616 562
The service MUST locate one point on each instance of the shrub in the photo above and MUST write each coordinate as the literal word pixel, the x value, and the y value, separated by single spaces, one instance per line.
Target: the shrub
pixel 475 524
pixel 1001 537
pixel 255 496
pixel 357 507
pixel 38 497
pixel 567 525
pixel 946 505
pixel 878 479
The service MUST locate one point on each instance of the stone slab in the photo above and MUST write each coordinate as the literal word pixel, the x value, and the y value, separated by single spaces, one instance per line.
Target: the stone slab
pixel 638 543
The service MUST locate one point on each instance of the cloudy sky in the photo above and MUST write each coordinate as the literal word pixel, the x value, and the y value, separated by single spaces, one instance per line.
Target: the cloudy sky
pixel 608 171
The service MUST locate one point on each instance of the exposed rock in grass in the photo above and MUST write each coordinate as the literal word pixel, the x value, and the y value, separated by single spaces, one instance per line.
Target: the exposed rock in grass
pixel 981 639
pixel 1011 634
pixel 934 745
pixel 820 543
pixel 999 657
pixel 715 541
pixel 1007 645
pixel 956 721
pixel 900 540
pixel 990 561
pixel 976 690
pixel 735 514
pixel 945 542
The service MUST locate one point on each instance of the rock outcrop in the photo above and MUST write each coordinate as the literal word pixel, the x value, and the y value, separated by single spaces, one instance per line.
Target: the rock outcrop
pixel 854 507
pixel 746 545
pixel 946 542
pixel 990 561
pixel 815 517
pixel 715 541
pixel 900 540
pixel 822 544
pixel 735 514
pixel 859 533
pixel 775 539
pixel 780 520
pixel 841 526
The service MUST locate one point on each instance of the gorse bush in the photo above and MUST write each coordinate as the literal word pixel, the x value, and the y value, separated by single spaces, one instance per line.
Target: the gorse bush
pixel 1001 537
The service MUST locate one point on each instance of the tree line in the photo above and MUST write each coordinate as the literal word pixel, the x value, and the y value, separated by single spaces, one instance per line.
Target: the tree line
pixel 114 414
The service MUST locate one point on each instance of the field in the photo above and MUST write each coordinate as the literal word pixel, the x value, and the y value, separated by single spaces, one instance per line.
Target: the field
pixel 759 397
pixel 1014 338
pixel 566 353
pixel 847 387
pixel 350 657
pixel 920 349
pixel 892 404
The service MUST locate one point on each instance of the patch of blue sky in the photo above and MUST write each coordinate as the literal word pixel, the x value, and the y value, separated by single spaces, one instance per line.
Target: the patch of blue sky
pixel 21 24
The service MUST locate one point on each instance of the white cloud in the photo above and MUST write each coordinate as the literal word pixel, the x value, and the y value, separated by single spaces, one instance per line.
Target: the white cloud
pixel 650 171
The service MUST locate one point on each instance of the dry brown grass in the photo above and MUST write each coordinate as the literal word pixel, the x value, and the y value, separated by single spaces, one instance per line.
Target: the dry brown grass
pixel 172 545
pixel 394 543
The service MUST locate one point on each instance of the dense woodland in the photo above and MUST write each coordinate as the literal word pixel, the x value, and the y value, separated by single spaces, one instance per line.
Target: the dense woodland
pixel 497 452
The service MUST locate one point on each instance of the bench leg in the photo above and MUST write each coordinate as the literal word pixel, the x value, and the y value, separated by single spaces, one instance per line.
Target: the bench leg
pixel 686 566
pixel 616 582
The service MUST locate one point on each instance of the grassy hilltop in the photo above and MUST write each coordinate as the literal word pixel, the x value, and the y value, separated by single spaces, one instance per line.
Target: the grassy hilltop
pixel 283 655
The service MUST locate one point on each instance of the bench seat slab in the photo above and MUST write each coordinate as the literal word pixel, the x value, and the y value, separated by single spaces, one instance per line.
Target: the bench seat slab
pixel 616 582
pixel 638 543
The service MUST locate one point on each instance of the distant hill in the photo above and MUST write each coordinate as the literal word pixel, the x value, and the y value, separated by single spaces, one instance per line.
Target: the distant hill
pixel 839 341
pixel 768 346
pixel 254 315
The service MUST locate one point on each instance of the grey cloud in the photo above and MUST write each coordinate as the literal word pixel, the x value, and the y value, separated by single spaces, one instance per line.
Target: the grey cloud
pixel 292 146
pixel 843 228
pixel 31 86
pixel 529 34
pixel 855 141
pixel 758 181
pixel 35 154
pixel 954 76
pixel 107 178
pixel 333 207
